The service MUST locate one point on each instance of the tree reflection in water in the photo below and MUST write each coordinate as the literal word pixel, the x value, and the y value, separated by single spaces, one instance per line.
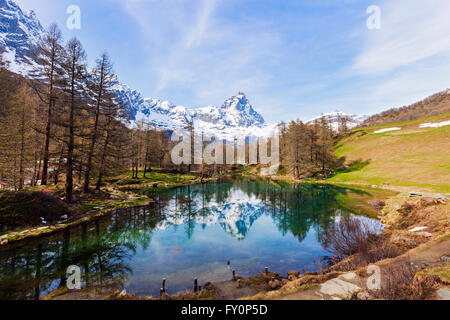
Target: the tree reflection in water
pixel 105 249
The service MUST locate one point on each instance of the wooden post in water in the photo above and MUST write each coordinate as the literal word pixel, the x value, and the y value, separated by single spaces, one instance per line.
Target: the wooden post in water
pixel 163 286
pixel 228 262
pixel 195 285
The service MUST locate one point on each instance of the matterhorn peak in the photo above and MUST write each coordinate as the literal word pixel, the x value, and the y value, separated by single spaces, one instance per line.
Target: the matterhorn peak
pixel 20 31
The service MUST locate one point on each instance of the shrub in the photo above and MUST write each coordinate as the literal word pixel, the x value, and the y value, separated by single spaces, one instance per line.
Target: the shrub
pixel 357 239
pixel 346 237
pixel 398 283
pixel 377 204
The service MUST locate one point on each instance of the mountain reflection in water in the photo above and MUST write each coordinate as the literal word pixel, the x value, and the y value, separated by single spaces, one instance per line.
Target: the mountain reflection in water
pixel 187 232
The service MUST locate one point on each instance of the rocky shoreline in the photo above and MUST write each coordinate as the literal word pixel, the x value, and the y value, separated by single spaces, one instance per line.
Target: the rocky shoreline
pixel 121 197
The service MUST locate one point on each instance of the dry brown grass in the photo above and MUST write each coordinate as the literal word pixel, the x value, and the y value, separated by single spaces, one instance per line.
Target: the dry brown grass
pixel 354 244
pixel 398 283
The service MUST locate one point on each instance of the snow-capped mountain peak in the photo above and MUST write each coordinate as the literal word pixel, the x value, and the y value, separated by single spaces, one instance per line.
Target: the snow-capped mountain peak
pixel 19 33
pixel 235 113
pixel 239 112
pixel 353 120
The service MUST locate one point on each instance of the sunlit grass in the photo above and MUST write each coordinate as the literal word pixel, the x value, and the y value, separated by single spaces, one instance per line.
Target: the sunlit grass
pixel 415 157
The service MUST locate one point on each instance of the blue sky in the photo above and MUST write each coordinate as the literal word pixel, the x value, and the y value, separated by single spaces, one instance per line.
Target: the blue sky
pixel 293 58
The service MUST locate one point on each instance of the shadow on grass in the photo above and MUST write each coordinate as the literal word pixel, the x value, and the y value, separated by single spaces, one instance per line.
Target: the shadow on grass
pixel 352 167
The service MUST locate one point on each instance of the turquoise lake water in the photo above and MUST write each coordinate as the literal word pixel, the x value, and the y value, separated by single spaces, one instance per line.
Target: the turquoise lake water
pixel 189 232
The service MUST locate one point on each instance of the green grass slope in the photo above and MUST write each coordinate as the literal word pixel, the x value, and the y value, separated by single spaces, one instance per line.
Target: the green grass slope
pixel 412 157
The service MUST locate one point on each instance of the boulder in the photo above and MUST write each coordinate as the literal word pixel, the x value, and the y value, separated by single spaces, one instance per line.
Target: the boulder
pixel 293 275
pixel 339 288
pixel 404 241
pixel 363 295
pixel 424 234
pixel 123 293
pixel 444 293
pixel 348 276
pixel 414 195
pixel 275 284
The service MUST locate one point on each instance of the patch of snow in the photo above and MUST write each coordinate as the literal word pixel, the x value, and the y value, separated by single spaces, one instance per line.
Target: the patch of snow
pixel 388 130
pixel 435 125
pixel 418 229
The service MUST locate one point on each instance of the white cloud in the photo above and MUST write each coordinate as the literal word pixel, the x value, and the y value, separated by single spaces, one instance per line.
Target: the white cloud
pixel 194 48
pixel 404 62
pixel 412 30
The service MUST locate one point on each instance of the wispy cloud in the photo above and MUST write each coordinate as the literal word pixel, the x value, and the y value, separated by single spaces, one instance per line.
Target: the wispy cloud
pixel 412 30
pixel 294 59
pixel 405 61
pixel 200 51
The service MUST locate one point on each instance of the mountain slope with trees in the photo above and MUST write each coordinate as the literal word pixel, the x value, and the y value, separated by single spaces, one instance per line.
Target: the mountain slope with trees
pixel 433 105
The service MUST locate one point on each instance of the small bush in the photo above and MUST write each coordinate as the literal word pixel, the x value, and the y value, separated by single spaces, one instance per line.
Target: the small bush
pixel 355 243
pixel 346 237
pixel 377 204
pixel 379 249
pixel 406 208
pixel 398 283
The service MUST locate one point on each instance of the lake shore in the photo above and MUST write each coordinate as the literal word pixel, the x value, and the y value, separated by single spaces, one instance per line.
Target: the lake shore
pixel 96 205
pixel 416 222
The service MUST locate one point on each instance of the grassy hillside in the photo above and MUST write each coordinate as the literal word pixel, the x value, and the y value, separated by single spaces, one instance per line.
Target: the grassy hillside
pixel 413 157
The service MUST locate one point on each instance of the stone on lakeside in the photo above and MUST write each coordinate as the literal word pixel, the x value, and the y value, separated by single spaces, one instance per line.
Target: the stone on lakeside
pixel 339 288
pixel 349 276
pixel 444 293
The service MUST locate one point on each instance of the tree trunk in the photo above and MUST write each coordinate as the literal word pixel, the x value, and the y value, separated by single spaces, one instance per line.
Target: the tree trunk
pixel 102 162
pixel 22 151
pixel 71 144
pixel 94 135
pixel 46 146
pixel 49 119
